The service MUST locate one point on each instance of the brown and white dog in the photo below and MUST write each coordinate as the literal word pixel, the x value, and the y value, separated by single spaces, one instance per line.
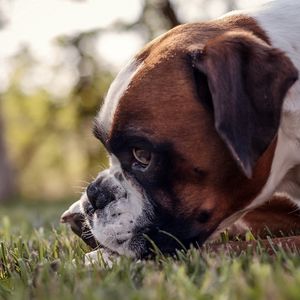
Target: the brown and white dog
pixel 201 127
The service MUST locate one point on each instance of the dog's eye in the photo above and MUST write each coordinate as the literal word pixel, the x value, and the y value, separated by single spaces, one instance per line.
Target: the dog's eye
pixel 142 156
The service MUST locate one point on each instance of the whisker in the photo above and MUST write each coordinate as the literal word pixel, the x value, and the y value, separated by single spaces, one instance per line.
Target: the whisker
pixel 78 192
pixel 294 210
pixel 78 187
pixel 83 181
pixel 87 236
pixel 92 177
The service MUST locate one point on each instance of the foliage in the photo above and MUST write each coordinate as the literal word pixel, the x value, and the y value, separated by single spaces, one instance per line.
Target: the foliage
pixel 48 130
pixel 40 259
pixel 49 138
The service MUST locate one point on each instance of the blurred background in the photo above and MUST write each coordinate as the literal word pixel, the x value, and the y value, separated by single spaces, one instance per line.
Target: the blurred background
pixel 57 60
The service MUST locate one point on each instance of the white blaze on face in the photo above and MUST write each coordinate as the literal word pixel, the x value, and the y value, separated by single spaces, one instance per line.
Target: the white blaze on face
pixel 115 92
pixel 114 226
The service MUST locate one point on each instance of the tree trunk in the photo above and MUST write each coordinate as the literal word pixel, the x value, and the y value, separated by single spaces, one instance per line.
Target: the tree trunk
pixel 169 12
pixel 7 180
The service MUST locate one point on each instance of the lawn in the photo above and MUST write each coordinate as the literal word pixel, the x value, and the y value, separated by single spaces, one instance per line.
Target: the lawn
pixel 42 259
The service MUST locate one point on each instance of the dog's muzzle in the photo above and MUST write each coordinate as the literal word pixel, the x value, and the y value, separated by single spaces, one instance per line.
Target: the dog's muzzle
pixel 114 212
pixel 102 192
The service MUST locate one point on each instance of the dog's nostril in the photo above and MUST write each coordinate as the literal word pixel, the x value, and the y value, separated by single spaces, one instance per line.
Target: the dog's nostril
pixel 102 200
pixel 99 196
pixel 111 197
pixel 92 191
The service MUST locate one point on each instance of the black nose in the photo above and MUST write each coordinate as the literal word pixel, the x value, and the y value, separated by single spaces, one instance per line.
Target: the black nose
pixel 99 196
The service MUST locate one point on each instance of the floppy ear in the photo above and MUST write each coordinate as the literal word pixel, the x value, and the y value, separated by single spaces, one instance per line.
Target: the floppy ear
pixel 246 81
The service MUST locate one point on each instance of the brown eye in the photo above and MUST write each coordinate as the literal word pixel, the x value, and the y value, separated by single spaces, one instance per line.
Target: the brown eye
pixel 142 156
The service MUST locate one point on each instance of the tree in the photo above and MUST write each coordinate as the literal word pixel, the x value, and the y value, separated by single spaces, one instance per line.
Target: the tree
pixel 48 136
pixel 7 179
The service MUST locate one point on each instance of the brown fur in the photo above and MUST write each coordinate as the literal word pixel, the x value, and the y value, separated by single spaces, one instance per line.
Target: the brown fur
pixel 162 104
pixel 279 216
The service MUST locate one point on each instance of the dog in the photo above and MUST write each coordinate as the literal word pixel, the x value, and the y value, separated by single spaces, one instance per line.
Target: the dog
pixel 201 127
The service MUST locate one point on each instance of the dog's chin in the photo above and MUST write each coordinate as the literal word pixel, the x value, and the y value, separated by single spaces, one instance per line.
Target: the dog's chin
pixel 122 235
pixel 130 225
pixel 121 243
pixel 116 230
pixel 145 241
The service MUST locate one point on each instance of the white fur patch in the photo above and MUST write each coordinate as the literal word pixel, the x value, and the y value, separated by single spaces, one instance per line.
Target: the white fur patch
pixel 75 208
pixel 114 226
pixel 114 94
pixel 118 220
pixel 280 20
pixel 101 256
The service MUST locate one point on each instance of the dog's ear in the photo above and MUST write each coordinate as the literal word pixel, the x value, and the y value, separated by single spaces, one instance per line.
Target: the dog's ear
pixel 244 81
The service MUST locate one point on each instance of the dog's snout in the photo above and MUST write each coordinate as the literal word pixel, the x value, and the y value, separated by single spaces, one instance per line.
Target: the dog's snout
pixel 98 196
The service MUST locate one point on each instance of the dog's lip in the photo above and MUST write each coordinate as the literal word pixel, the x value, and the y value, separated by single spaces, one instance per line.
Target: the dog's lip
pixel 73 213
pixel 68 217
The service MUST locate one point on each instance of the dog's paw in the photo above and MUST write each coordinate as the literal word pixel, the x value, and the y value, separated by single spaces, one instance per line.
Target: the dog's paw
pixel 103 257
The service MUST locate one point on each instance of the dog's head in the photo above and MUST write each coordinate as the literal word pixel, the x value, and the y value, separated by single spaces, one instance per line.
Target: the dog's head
pixel 190 127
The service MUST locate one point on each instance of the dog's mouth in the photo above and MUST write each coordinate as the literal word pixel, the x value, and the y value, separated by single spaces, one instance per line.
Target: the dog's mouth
pixel 119 227
pixel 140 240
pixel 116 214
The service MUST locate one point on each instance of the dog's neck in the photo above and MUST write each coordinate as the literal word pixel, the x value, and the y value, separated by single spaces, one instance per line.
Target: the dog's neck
pixel 280 20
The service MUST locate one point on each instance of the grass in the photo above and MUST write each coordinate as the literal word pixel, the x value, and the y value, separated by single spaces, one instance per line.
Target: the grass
pixel 41 259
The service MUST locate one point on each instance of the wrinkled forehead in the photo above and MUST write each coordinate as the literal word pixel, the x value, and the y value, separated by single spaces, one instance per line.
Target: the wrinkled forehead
pixel 158 81
pixel 153 97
